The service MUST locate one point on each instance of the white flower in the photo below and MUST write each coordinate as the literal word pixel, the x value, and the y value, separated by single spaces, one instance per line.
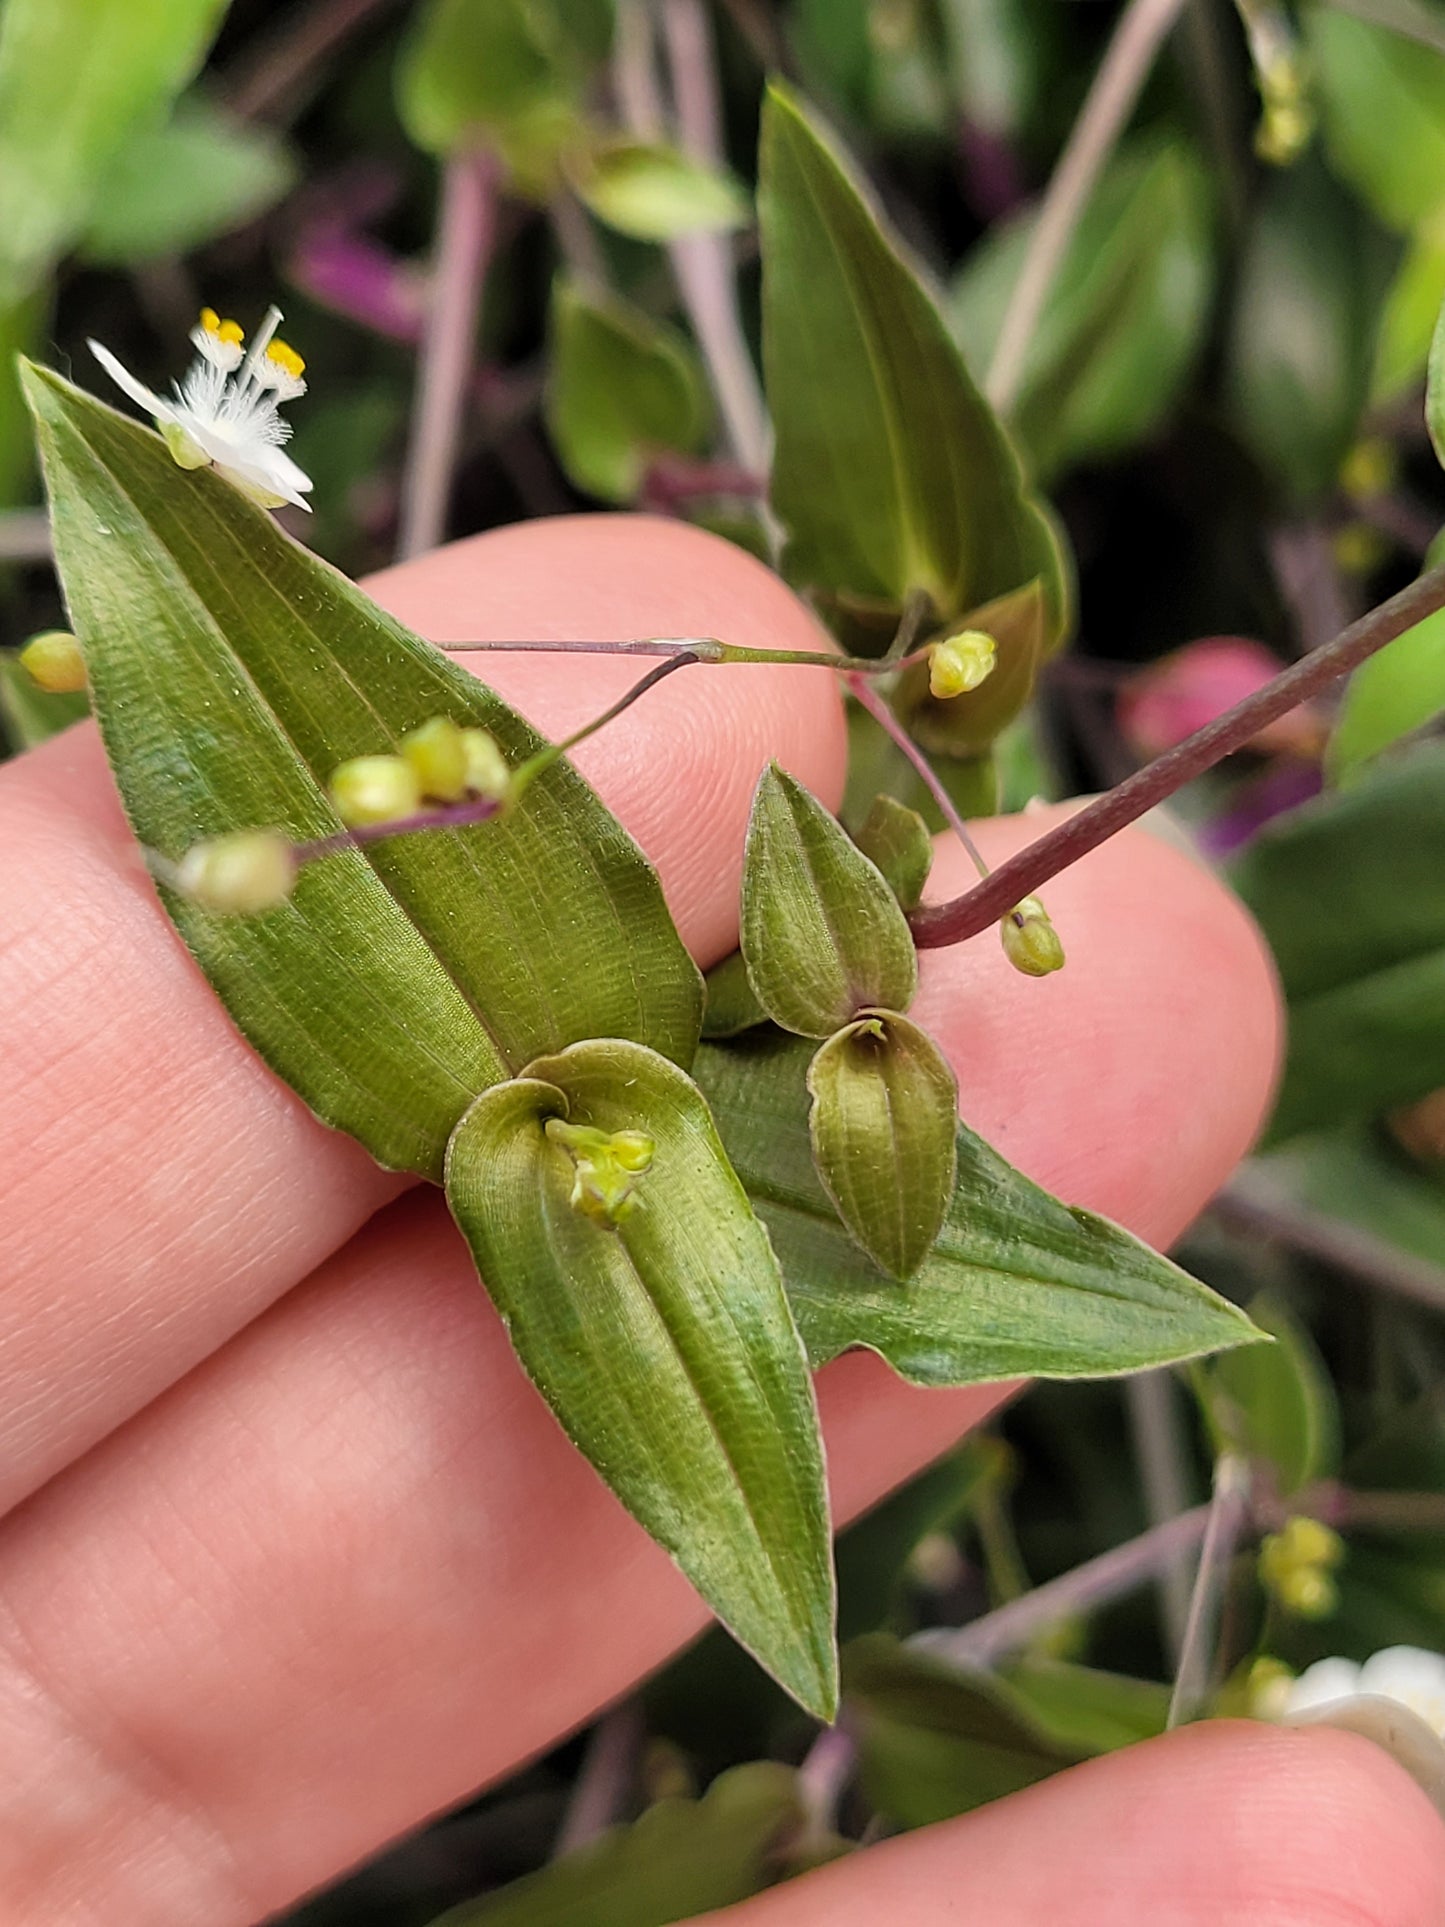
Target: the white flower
pixel 227 410
pixel 1407 1675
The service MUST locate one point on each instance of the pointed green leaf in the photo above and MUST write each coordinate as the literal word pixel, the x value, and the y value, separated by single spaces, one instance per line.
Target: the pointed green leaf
pixel 1347 891
pixel 732 1003
pixel 1017 1283
pixel 896 839
pixel 883 1120
pixel 967 725
pixel 1397 691
pixel 656 193
pixel 822 932
pixel 231 672
pixel 891 473
pixel 621 388
pixel 1383 99
pixel 1435 389
pixel 681 1858
pixel 663 1343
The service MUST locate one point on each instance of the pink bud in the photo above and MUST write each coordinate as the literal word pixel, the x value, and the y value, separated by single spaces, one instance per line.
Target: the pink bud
pixel 1189 688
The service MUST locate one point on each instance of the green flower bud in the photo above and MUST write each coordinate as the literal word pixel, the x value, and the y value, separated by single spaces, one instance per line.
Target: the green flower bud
pixel 961 662
pixel 1307 1592
pixel 488 772
pixel 607 1166
pixel 186 452
pixel 53 660
pixel 437 751
pixel 1311 1542
pixel 240 874
pixel 375 789
pixel 1030 941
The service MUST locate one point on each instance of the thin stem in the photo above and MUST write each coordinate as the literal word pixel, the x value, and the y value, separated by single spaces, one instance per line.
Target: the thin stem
pixel 269 78
pixel 892 728
pixel 702 648
pixel 1095 1583
pixel 544 758
pixel 1228 1512
pixel 602 1783
pixel 1253 1204
pixel 1126 63
pixel 448 816
pixel 822 1777
pixel 466 234
pixel 944 923
pixel 1159 1452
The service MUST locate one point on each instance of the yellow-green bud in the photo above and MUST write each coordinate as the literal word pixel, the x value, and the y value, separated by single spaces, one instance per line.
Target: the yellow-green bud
pixel 186 452
pixel 1370 468
pixel 1307 1592
pixel 961 662
pixel 53 660
pixel 437 751
pixel 1311 1542
pixel 240 874
pixel 375 789
pixel 606 1167
pixel 1030 941
pixel 1266 1687
pixel 488 772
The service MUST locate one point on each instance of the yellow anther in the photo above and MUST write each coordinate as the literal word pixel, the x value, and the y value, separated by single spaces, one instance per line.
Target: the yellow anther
pixel 286 359
pixel 229 331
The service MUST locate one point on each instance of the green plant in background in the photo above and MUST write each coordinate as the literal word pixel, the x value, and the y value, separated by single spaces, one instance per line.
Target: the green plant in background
pixel 683 1196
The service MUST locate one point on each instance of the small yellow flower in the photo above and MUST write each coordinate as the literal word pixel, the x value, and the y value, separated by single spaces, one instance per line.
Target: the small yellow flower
pixel 960 663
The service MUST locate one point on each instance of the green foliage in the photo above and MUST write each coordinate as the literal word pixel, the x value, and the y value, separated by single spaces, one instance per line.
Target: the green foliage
pixel 78 79
pixel 731 1002
pixel 30 715
pixel 1347 891
pixel 822 932
pixel 1352 1176
pixel 680 1858
pixel 232 672
pixel 1412 308
pixel 896 840
pixel 1275 1403
pixel 882 1123
pixel 1017 1283
pixel 891 475
pixel 621 388
pixel 967 726
pixel 1302 345
pixel 173 187
pixel 1125 316
pixel 1397 691
pixel 1383 99
pixel 656 193
pixel 662 1343
pixel 1435 388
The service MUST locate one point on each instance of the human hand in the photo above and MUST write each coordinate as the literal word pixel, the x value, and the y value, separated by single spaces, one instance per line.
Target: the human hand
pixel 294 1556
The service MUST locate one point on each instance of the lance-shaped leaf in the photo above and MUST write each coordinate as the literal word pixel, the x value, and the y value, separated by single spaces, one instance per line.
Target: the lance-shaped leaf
pixel 663 1343
pixel 1017 1284
pixel 891 474
pixel 656 193
pixel 822 932
pixel 231 672
pixel 883 1122
pixel 897 840
pixel 967 725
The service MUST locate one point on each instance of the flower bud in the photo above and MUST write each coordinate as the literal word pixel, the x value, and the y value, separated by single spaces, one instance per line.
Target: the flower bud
pixel 1311 1542
pixel 1307 1592
pixel 960 663
pixel 488 772
pixel 1267 1688
pixel 53 660
pixel 1030 941
pixel 607 1166
pixel 240 874
pixel 437 751
pixel 375 789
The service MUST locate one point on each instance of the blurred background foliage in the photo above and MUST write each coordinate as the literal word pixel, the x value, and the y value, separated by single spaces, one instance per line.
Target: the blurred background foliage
pixel 1223 401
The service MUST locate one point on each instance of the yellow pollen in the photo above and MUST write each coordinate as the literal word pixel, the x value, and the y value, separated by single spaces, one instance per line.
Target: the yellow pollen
pixel 230 331
pixel 285 358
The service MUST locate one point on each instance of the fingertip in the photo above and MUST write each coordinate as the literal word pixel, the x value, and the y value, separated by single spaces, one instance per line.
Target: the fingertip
pixel 1133 1080
pixel 681 767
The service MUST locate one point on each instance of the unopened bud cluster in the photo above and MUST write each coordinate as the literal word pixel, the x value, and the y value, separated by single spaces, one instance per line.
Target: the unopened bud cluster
pixel 960 663
pixel 53 661
pixel 1030 941
pixel 606 1166
pixel 438 762
pixel 238 875
pixel 1296 1566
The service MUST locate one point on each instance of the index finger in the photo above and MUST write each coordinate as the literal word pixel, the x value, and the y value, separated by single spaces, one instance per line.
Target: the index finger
pixel 168 1187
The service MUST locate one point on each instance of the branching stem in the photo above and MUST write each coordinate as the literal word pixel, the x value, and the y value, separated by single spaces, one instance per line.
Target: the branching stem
pixel 882 715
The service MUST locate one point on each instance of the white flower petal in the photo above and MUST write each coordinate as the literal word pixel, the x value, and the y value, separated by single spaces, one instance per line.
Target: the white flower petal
pixel 1322 1684
pixel 268 471
pixel 142 396
pixel 1413 1677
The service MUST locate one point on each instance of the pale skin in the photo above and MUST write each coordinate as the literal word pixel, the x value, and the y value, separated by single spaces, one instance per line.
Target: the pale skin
pixel 293 1555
